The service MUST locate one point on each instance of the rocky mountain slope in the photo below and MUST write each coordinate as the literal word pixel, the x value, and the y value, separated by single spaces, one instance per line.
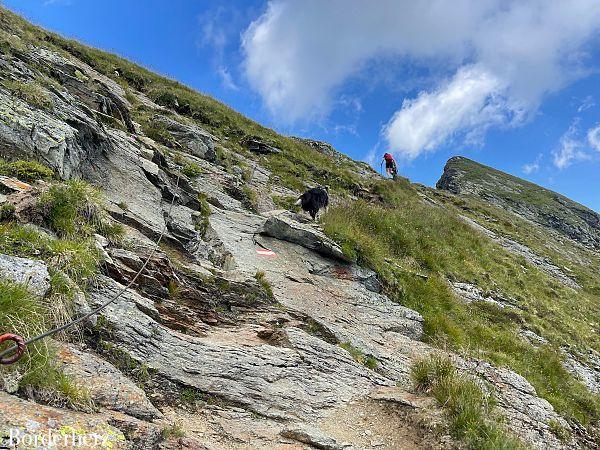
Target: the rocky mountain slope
pixel 407 318
pixel 554 211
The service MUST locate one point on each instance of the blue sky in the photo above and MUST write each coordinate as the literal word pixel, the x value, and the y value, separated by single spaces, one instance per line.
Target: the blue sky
pixel 512 84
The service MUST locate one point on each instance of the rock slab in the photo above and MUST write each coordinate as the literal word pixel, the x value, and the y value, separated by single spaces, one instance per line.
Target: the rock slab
pixel 32 273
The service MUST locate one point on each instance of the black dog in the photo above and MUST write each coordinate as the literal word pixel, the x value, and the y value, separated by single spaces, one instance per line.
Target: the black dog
pixel 314 199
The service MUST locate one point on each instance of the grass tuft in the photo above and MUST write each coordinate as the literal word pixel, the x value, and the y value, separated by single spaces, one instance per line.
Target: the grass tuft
pixel 28 171
pixel 31 92
pixel 192 170
pixel 36 373
pixel 358 355
pixel 172 431
pixel 470 410
pixel 73 209
pixel 7 211
pixel 201 220
pixel 261 277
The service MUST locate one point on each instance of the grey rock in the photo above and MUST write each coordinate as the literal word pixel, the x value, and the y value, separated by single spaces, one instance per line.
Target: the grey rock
pixel 39 420
pixel 284 227
pixel 12 184
pixel 279 382
pixel 585 367
pixel 191 137
pixel 106 384
pixel 366 277
pixel 363 169
pixel 471 293
pixel 533 338
pixel 30 272
pixel 527 415
pixel 257 145
pixel 519 249
pixel 313 437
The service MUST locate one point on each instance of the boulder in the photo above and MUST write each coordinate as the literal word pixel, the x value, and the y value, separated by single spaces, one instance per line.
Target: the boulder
pixel 30 272
pixel 585 367
pixel 257 145
pixel 313 437
pixel 283 227
pixel 192 138
pixel 106 384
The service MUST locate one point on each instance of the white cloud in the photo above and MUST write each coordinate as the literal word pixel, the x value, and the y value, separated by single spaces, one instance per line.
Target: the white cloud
pixel 470 101
pixel 534 166
pixel 594 137
pixel 571 148
pixel 227 79
pixel 587 103
pixel 503 57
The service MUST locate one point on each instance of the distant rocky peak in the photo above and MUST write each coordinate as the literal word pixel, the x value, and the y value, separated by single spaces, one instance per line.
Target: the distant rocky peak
pixel 463 176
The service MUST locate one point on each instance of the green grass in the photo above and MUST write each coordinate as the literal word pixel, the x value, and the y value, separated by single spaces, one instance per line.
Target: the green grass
pixel 7 211
pixel 398 237
pixel 74 208
pixel 192 170
pixel 172 431
pixel 31 92
pixel 27 315
pixel 78 259
pixel 286 202
pixel 201 221
pixel 158 132
pixel 514 192
pixel 401 236
pixel 249 198
pixel 261 277
pixel 359 356
pixel 470 410
pixel 11 43
pixel 190 396
pixel 174 290
pixel 81 76
pixel 28 171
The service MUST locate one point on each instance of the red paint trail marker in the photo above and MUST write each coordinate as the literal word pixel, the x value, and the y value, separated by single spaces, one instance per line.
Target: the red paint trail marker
pixel 265 252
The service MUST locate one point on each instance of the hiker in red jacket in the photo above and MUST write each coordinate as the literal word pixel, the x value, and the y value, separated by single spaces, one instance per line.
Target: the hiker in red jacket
pixel 390 165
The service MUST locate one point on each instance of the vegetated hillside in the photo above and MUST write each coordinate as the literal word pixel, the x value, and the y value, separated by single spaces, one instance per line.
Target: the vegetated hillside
pixel 552 210
pixel 408 317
